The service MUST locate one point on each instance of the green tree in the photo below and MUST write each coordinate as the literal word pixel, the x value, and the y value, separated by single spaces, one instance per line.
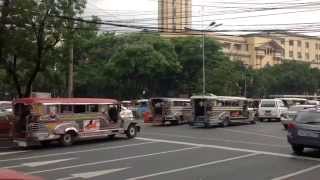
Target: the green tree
pixel 189 52
pixel 29 30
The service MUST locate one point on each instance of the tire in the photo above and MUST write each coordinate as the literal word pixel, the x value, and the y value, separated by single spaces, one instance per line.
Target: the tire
pixel 297 149
pixel 261 119
pixel 285 126
pixel 131 131
pixel 253 122
pixel 67 139
pixel 225 123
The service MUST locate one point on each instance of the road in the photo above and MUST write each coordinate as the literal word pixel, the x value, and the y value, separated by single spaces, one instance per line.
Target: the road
pixel 246 152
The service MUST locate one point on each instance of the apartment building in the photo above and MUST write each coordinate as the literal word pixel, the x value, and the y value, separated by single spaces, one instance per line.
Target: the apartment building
pixel 174 15
pixel 270 48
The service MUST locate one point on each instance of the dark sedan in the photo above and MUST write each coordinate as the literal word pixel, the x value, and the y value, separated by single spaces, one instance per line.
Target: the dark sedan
pixel 304 131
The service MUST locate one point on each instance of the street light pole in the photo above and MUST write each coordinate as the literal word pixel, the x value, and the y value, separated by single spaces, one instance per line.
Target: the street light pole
pixel 245 80
pixel 203 66
pixel 212 24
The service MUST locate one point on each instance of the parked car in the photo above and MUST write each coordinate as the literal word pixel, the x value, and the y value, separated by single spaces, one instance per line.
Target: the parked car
pixel 292 112
pixel 271 109
pixel 304 130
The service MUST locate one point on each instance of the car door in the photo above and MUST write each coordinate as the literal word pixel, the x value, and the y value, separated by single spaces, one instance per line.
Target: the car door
pixel 282 108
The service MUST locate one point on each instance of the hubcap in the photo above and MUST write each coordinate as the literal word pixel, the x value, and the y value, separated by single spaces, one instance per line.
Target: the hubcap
pixel 67 138
pixel 132 131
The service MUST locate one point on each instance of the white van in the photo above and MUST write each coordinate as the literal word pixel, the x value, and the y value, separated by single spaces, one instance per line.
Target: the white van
pixel 271 109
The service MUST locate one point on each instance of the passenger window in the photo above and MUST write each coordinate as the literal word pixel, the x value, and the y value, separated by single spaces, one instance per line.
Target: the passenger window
pixel 52 109
pixel 93 108
pixel 79 109
pixel 66 109
pixel 281 104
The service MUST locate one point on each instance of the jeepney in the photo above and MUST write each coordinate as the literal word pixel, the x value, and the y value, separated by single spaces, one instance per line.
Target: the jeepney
pixel 210 110
pixel 170 110
pixel 43 120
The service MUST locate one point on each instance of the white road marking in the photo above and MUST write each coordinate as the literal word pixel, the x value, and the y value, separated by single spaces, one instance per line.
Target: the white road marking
pixel 297 173
pixel 253 133
pixel 192 167
pixel 39 163
pixel 76 152
pixel 88 175
pixel 113 160
pixel 12 152
pixel 229 148
pixel 218 139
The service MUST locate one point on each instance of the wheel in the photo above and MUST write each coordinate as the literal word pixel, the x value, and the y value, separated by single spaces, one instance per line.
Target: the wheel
pixel 131 131
pixel 297 149
pixel 253 122
pixel 225 123
pixel 261 119
pixel 285 126
pixel 67 139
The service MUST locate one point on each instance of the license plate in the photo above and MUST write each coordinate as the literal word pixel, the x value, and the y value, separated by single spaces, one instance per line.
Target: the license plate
pixel 307 134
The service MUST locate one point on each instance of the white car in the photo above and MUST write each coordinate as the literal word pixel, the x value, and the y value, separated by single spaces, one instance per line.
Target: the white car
pixel 126 113
pixel 271 109
pixel 292 112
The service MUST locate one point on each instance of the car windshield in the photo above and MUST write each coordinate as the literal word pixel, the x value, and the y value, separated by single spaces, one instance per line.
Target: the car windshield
pixel 268 104
pixel 308 117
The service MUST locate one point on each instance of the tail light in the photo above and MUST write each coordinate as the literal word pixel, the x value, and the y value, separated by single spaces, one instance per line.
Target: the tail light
pixel 291 126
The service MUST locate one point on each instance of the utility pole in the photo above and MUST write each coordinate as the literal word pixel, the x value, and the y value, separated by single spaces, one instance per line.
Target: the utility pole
pixel 70 51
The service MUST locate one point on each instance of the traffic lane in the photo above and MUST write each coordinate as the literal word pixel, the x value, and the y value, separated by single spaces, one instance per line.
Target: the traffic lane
pixel 150 164
pixel 260 167
pixel 312 173
pixel 271 128
pixel 56 148
pixel 224 141
pixel 232 133
pixel 94 155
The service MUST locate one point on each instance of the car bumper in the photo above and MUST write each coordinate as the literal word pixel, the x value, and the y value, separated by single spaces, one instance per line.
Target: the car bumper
pixel 305 141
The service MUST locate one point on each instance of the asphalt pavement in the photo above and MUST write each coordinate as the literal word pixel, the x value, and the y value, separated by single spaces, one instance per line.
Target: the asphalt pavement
pixel 256 152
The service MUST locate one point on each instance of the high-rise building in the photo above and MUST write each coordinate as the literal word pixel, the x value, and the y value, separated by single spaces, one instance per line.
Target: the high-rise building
pixel 174 15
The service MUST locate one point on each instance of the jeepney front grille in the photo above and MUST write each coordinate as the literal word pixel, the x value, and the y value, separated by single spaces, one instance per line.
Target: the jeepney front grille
pixel 35 127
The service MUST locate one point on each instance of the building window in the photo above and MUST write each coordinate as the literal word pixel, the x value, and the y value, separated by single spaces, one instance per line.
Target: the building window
pixel 307 56
pixel 317 46
pixel 299 43
pixel 291 54
pixel 291 42
pixel 299 55
pixel 237 47
pixel 247 47
pixel 282 42
pixel 307 44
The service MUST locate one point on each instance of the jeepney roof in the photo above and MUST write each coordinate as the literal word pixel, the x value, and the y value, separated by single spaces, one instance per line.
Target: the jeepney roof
pixel 49 101
pixel 231 98
pixel 292 99
pixel 172 99
pixel 204 97
pixel 142 100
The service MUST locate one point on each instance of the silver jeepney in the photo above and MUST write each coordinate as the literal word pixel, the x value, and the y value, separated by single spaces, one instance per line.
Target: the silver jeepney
pixel 213 110
pixel 170 110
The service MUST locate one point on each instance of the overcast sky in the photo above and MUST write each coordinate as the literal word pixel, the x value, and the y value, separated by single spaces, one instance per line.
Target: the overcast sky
pixel 144 12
